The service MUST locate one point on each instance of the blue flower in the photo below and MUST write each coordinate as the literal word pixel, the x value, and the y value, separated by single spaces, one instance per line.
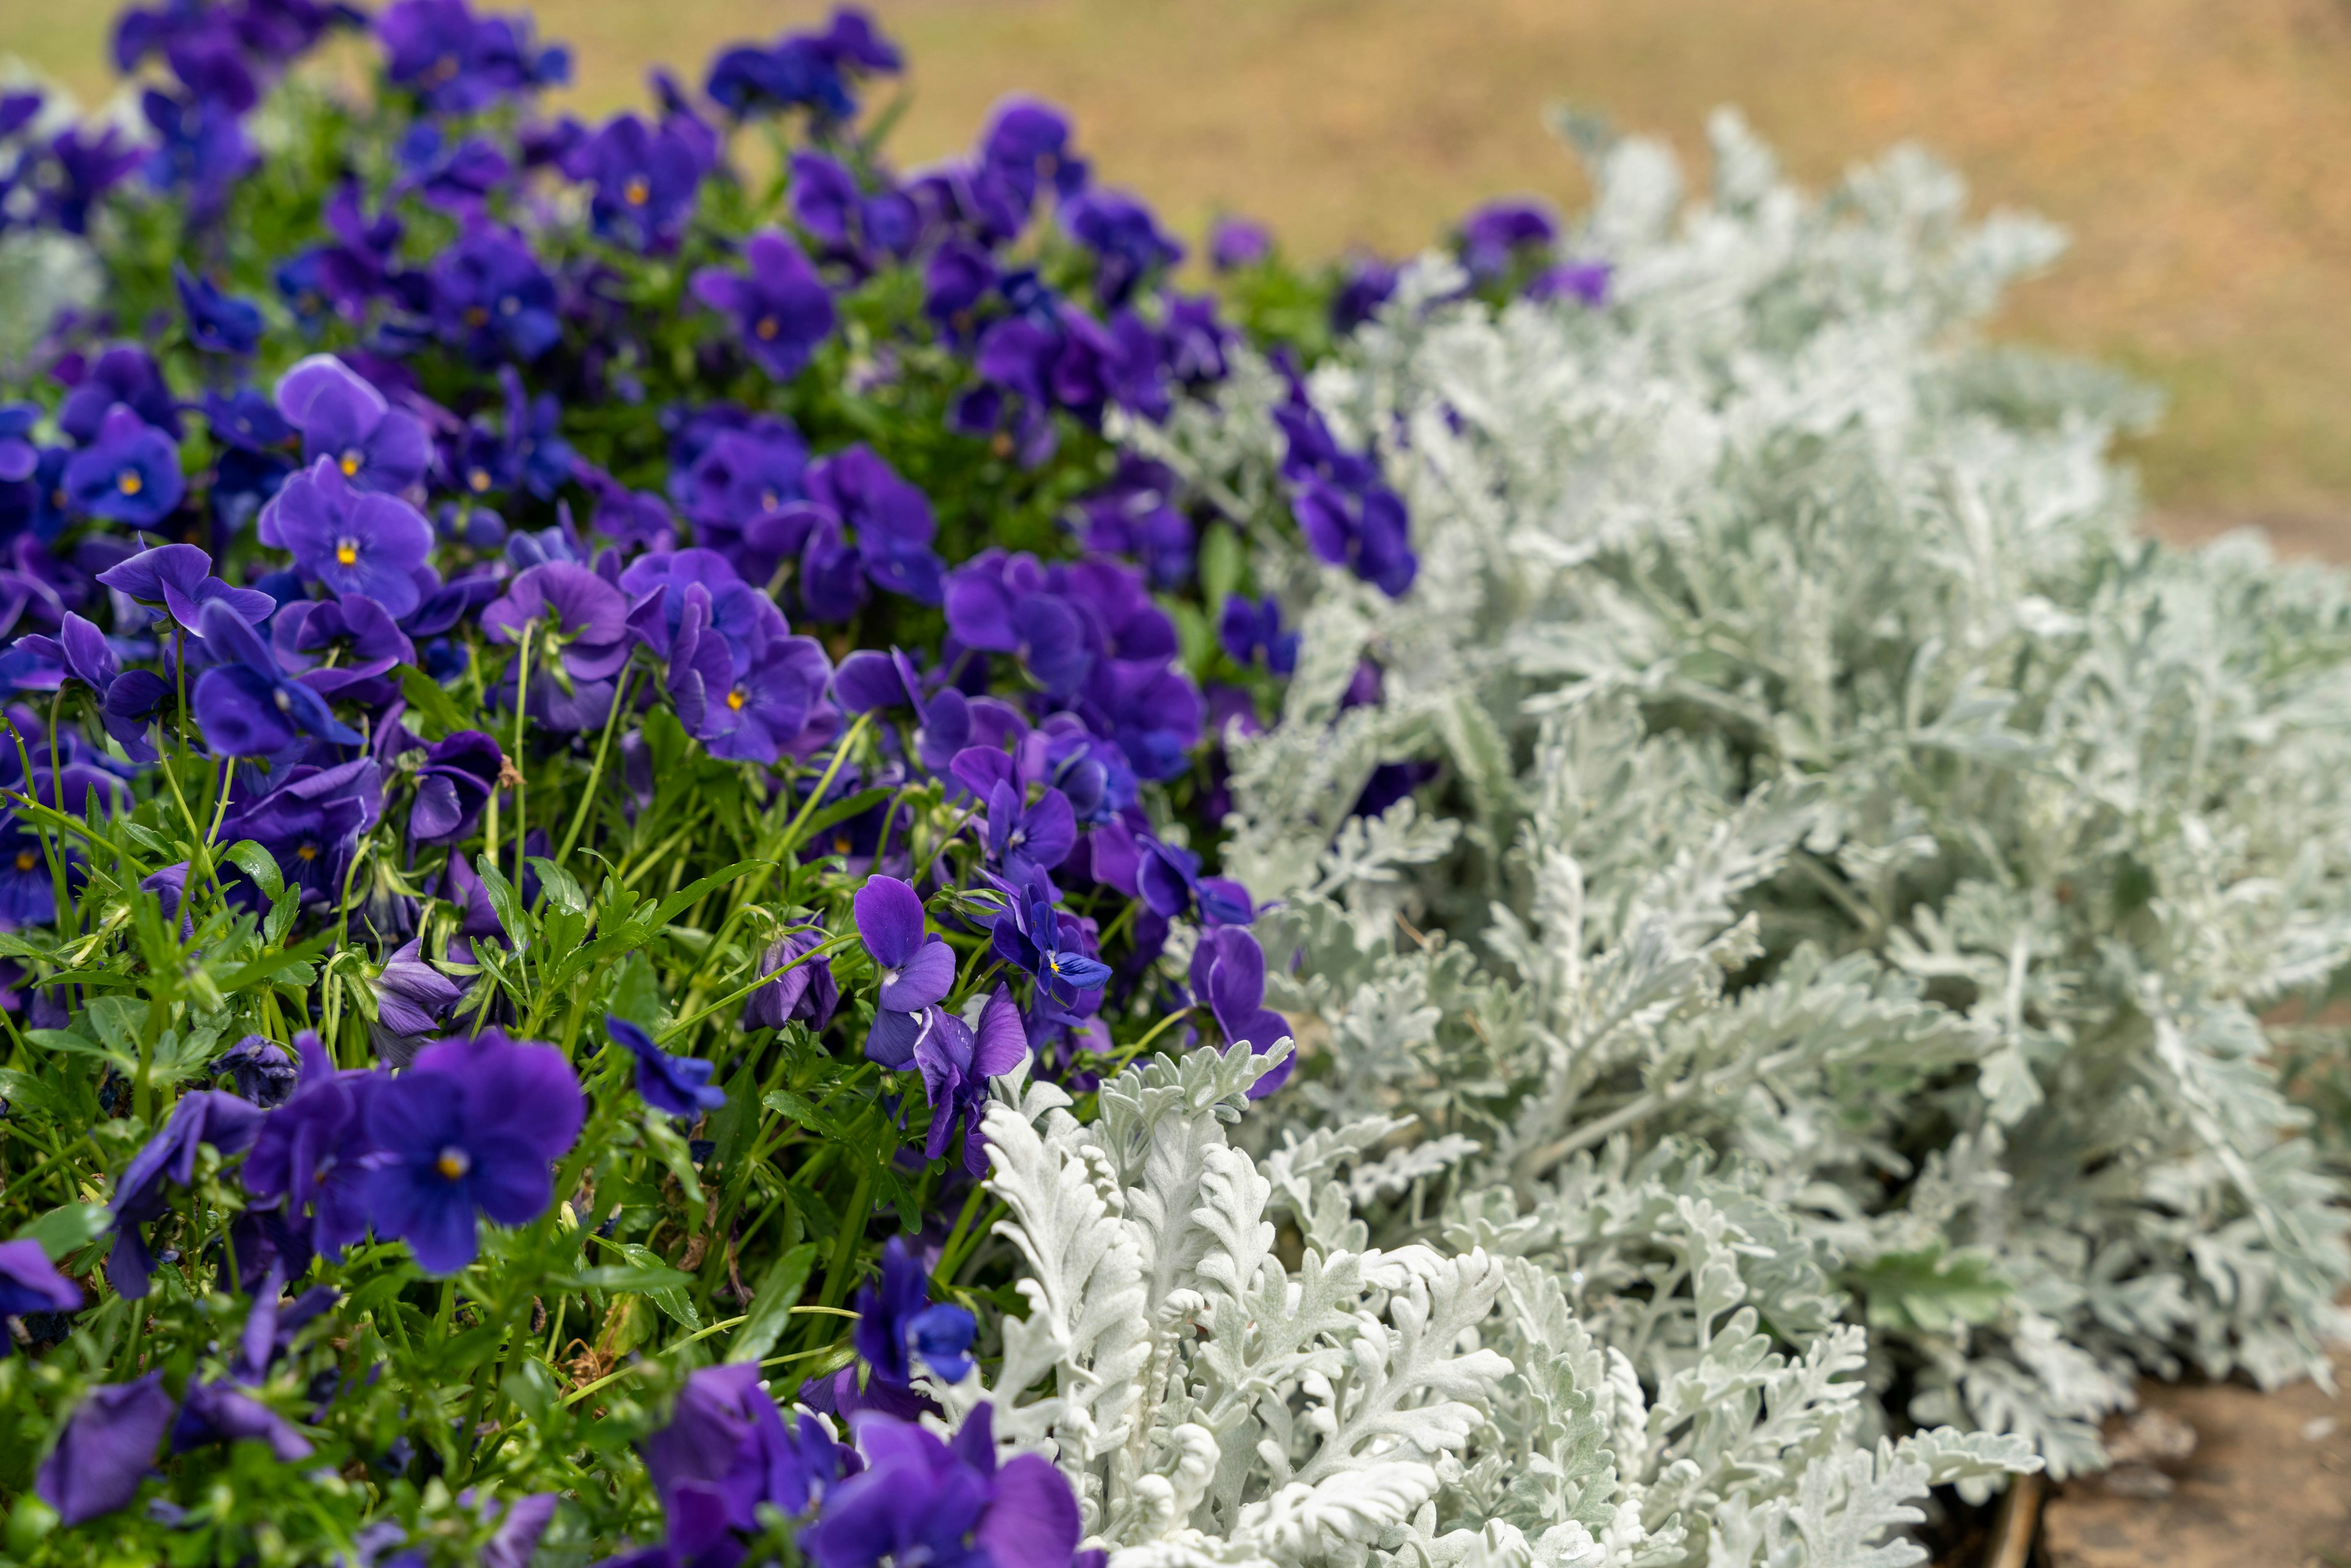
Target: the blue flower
pixel 471 1125
pixel 1127 242
pixel 1032 937
pixel 462 64
pixel 313 1152
pixel 782 310
pixel 129 475
pixel 245 704
pixel 677 1085
pixel 491 298
pixel 218 323
pixel 919 1500
pixel 645 178
pixel 309 824
pixel 917 967
pixel 106 1450
pixel 342 416
pixel 1248 628
pixel 169 1159
pixel 29 1282
pixel 897 1322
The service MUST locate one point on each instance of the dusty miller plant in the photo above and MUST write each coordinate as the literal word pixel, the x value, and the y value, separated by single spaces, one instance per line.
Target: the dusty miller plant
pixel 1859 866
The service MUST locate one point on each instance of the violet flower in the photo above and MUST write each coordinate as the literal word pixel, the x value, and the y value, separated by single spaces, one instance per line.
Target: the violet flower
pixel 459 63
pixel 1498 234
pixel 726 1452
pixel 806 991
pixel 782 310
pixel 1248 628
pixel 459 774
pixel 218 323
pixel 491 298
pixel 18 455
pixel 218 1412
pixel 29 1282
pixel 129 700
pixel 259 1070
pixel 676 1085
pixel 919 1500
pixel 1029 837
pixel 1229 974
pixel 310 824
pixel 579 624
pixel 125 374
pixel 646 179
pixel 106 1450
pixel 956 1061
pixel 245 704
pixel 1126 240
pixel 343 416
pixel 471 1125
pixel 313 1152
pixel 179 578
pixel 129 475
pixel 412 999
pixel 917 968
pixel 169 1159
pixel 897 1322
pixel 1043 942
pixel 1168 877
pixel 1237 243
pixel 355 542
pixel 28 893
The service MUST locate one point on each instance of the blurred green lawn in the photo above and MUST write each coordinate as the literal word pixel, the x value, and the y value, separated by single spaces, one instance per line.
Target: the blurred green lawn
pixel 2197 149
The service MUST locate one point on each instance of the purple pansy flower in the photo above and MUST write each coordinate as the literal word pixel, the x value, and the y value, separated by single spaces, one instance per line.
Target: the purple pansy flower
pixel 18 455
pixel 1168 877
pixel 453 785
pixel 218 323
pixel 413 1000
pixel 1585 282
pixel 459 63
pixel 313 1151
pixel 355 542
pixel 919 1500
pixel 1237 243
pixel 106 1450
pixel 782 309
pixel 582 640
pixel 1228 975
pixel 129 475
pixel 343 416
pixel 1028 838
pixel 956 1061
pixel 1249 627
pixel 1128 243
pixel 645 178
pixel 245 705
pixel 310 825
pixel 896 1322
pixel 917 967
pixel 1031 936
pixel 179 578
pixel 258 1069
pixel 169 1159
pixel 1495 236
pixel 471 1125
pixel 726 1452
pixel 805 992
pixel 676 1085
pixel 218 1412
pixel 491 297
pixel 125 374
pixel 29 1282
pixel 129 700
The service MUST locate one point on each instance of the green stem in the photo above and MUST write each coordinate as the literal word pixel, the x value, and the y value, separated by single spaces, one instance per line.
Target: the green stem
pixel 522 707
pixel 595 773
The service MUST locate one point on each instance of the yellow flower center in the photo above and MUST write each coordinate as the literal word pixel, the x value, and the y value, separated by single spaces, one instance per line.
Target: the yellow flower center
pixel 479 479
pixel 454 1163
pixel 307 853
pixel 638 193
pixel 26 859
pixel 129 483
pixel 476 316
pixel 350 464
pixel 768 328
pixel 735 701
pixel 348 553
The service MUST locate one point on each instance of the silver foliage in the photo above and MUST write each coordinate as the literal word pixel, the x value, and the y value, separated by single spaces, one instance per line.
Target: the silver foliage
pixel 1860 865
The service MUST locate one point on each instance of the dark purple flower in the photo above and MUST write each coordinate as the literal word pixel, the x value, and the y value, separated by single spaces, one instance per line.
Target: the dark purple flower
pixel 870 681
pixel 724 1452
pixel 782 310
pixel 29 1282
pixel 676 1085
pixel 1126 240
pixel 129 475
pixel 18 455
pixel 897 1322
pixel 344 417
pixel 1367 285
pixel 1168 877
pixel 1248 628
pixel 107 1446
pixel 259 1070
pixel 124 374
pixel 491 297
pixel 218 1411
pixel 645 178
pixel 129 700
pixel 218 323
pixel 1026 144
pixel 470 1124
pixel 179 578
pixel 357 638
pixel 892 520
pixel 457 176
pixel 1029 837
pixel 582 640
pixel 805 990
pixel 413 1000
pixel 313 1151
pixel 919 1500
pixel 453 785
pixel 169 1159
pixel 1498 235
pixel 310 825
pixel 200 147
pixel 245 705
pixel 459 63
pixel 1237 243
pixel 1585 282
pixel 1033 936
pixel 85 165
pixel 917 968
pixel 29 895
pixel 1228 975
pixel 956 1061
pixel 1006 605
pixel 355 542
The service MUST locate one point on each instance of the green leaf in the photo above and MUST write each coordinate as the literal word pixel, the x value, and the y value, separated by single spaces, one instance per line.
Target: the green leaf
pixel 561 889
pixel 839 811
pixel 260 865
pixel 1222 566
pixel 503 900
pixel 772 1304
pixel 637 1276
pixel 120 1021
pixel 80 1045
pixel 685 897
pixel 636 994
pixel 61 1230
pixel 425 697
pixel 1930 1291
pixel 284 906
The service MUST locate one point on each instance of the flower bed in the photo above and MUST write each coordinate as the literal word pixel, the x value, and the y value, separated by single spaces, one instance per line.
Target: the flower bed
pixel 718 855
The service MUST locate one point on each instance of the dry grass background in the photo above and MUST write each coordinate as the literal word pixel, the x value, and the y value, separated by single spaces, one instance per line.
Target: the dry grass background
pixel 2198 150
